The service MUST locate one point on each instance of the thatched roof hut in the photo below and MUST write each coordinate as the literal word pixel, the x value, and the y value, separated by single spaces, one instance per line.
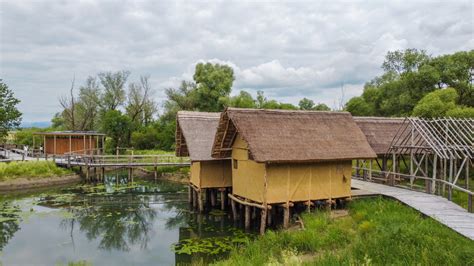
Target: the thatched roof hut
pixel 379 131
pixel 283 156
pixel 195 134
pixel 194 138
pixel 278 136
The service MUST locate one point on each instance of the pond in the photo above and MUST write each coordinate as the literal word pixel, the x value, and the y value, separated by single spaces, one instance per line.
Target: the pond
pixel 144 223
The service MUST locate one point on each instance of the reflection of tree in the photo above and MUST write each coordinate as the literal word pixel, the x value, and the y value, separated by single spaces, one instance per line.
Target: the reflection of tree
pixel 9 222
pixel 118 221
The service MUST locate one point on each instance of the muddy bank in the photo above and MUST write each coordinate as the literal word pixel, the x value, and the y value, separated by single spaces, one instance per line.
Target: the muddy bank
pixel 26 183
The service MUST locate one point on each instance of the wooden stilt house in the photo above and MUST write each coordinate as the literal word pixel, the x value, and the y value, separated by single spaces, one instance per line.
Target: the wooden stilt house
pixel 195 133
pixel 280 158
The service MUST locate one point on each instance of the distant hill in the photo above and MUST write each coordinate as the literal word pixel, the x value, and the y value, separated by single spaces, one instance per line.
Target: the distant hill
pixel 39 124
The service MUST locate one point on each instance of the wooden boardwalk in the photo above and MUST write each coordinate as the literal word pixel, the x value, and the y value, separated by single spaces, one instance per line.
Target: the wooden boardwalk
pixel 436 207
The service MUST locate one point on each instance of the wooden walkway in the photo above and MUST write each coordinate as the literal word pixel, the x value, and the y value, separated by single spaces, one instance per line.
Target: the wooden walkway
pixel 436 207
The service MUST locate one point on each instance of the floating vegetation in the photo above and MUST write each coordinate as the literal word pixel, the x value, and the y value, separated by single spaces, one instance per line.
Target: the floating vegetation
pixel 216 245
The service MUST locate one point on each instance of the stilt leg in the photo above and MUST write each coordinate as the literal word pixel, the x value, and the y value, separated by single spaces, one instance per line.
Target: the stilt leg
pixel 201 204
pixel 247 217
pixel 286 216
pixel 223 199
pixel 190 194
pixel 213 197
pixel 234 210
pixel 263 221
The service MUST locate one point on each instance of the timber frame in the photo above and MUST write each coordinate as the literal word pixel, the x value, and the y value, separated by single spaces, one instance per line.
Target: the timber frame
pixel 438 151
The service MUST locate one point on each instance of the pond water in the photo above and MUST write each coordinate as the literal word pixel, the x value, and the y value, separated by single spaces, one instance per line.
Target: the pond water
pixel 144 223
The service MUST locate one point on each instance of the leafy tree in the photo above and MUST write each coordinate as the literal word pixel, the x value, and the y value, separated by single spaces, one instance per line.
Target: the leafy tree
pixel 243 100
pixel 437 103
pixel 358 106
pixel 461 112
pixel 321 107
pixel 213 84
pixel 10 117
pixel 115 124
pixel 306 104
pixel 401 62
pixel 114 86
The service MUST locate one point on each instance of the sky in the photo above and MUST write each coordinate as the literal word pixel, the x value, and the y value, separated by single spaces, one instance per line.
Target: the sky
pixel 322 50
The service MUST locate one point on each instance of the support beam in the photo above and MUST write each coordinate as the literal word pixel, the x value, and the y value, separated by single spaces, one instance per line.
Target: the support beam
pixel 286 215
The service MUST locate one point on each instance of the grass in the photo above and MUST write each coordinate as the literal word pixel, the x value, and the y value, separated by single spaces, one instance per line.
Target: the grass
pixel 31 169
pixel 376 231
pixel 150 152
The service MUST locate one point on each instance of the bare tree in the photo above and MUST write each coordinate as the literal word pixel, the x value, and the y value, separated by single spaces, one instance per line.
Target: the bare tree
pixel 69 108
pixel 140 105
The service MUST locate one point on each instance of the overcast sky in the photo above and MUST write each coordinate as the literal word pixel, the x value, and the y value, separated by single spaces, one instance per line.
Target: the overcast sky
pixel 288 50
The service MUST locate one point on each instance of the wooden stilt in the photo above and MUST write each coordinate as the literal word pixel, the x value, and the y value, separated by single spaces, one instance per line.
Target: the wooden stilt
pixel 195 198
pixel 213 197
pixel 286 215
pixel 263 221
pixel 254 213
pixel 200 200
pixel 223 199
pixel 247 217
pixel 234 209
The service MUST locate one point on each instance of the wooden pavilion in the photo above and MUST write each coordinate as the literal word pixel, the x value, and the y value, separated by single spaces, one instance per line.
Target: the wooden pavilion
pixel 195 133
pixel 63 142
pixel 281 158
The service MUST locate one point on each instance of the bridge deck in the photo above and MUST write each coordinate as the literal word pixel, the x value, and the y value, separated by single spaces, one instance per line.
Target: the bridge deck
pixel 436 207
pixel 134 164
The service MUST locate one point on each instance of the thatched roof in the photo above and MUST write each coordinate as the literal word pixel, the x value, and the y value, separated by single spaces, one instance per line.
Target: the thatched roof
pixel 292 136
pixel 379 131
pixel 195 134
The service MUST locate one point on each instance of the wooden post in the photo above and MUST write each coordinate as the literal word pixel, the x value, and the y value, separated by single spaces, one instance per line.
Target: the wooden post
pixel 394 169
pixel 269 216
pixel 450 188
pixel 84 146
pixel 469 203
pixel 190 194
pixel 370 169
pixel 263 221
pixel 433 181
pixel 44 147
pixel 234 209
pixel 213 197
pixel 200 201
pixel 286 215
pixel 223 199
pixel 70 143
pixel 54 145
pixel 467 174
pixel 247 217
pixel 195 198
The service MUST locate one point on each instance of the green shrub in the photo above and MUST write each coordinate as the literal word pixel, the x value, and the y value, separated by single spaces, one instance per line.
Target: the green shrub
pixel 31 169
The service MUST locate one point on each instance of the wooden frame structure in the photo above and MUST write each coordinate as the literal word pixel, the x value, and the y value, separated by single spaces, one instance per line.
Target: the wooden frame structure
pixel 439 152
pixel 59 143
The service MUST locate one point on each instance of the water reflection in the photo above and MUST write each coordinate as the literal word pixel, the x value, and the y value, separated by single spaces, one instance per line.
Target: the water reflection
pixel 146 223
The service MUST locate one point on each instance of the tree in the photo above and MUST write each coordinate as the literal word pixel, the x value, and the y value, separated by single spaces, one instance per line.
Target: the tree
pixel 243 100
pixel 140 105
pixel 437 103
pixel 321 107
pixel 213 85
pixel 114 92
pixel 405 61
pixel 357 106
pixel 10 117
pixel 306 104
pixel 114 124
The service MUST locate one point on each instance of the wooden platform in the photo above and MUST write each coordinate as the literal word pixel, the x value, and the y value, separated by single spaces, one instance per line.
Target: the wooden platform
pixel 436 207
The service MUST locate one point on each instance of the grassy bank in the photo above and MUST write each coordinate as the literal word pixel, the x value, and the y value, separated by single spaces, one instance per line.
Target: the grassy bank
pixel 31 169
pixel 376 231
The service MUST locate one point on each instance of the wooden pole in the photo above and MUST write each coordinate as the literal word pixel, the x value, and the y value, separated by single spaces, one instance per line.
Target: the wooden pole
pixel 84 146
pixel 234 209
pixel 247 216
pixel 286 215
pixel 44 145
pixel 70 143
pixel 450 189
pixel 213 197
pixel 54 145
pixel 223 199
pixel 195 198
pixel 190 194
pixel 263 221
pixel 200 200
pixel 433 182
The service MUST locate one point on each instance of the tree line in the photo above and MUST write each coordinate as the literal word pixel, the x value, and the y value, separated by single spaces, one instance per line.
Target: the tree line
pixel 416 84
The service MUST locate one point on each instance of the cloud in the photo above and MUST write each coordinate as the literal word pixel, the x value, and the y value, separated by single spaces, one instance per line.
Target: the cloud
pixel 288 49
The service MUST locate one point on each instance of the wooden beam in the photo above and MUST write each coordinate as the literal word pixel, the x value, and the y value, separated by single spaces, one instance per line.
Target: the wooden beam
pixel 246 203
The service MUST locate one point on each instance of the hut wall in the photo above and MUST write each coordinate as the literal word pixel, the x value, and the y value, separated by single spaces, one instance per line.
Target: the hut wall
pixel 303 182
pixel 211 174
pixel 247 175
pixel 195 173
pixel 288 182
pixel 62 144
pixel 216 174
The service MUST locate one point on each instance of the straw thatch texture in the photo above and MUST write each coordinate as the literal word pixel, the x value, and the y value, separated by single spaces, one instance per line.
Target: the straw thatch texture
pixel 292 136
pixel 379 131
pixel 195 134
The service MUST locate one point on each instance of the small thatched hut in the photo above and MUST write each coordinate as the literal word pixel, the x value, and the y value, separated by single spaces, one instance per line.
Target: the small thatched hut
pixel 380 133
pixel 283 157
pixel 195 133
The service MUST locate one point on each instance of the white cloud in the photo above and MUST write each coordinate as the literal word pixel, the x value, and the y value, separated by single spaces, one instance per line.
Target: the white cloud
pixel 288 49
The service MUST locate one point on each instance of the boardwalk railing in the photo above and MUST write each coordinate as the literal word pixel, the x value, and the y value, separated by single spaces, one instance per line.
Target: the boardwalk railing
pixel 432 185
